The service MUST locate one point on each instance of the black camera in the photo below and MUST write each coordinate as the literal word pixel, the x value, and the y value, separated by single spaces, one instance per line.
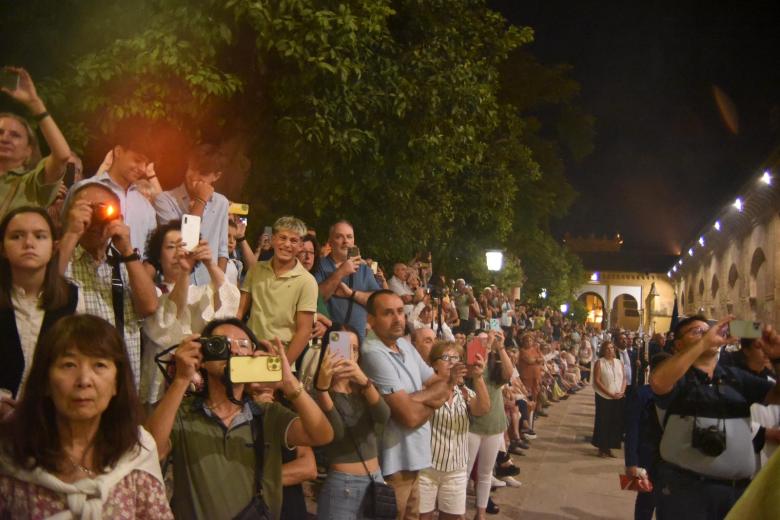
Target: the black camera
pixel 711 440
pixel 215 348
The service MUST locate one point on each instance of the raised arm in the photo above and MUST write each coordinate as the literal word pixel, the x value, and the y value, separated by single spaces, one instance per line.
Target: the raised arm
pixel 480 404
pixel 160 422
pixel 26 94
pixel 331 283
pixel 144 295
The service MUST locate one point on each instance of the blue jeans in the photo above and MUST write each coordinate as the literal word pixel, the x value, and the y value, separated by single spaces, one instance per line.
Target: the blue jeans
pixel 341 497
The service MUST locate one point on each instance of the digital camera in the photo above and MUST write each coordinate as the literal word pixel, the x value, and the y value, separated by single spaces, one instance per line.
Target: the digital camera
pixel 215 348
pixel 711 440
pixel 103 212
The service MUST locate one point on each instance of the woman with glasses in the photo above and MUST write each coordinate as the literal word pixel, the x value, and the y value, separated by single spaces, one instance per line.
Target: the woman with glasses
pixel 443 485
pixel 610 386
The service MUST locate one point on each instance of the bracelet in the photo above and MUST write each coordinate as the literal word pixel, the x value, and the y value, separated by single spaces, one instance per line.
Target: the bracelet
pixel 321 389
pixel 40 117
pixel 368 384
pixel 240 239
pixel 295 394
pixel 198 199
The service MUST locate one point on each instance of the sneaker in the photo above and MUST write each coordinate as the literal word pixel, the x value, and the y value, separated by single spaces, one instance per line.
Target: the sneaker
pixel 515 449
pixel 495 483
pixel 530 434
pixel 507 471
pixel 512 482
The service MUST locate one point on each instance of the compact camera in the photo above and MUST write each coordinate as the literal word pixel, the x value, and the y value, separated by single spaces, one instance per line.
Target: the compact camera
pixel 215 348
pixel 711 440
pixel 104 213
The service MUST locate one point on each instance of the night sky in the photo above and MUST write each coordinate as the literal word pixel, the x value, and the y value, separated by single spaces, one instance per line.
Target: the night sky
pixel 664 161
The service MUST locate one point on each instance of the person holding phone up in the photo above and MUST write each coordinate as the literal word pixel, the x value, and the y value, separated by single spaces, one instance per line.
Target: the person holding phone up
pixel 355 409
pixel 22 182
pixel 211 437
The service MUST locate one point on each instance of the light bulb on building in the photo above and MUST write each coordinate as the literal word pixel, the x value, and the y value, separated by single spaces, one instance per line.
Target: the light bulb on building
pixel 701 241
pixel 717 225
pixel 674 268
pixel 766 178
pixel 690 252
pixel 738 204
pixel 594 277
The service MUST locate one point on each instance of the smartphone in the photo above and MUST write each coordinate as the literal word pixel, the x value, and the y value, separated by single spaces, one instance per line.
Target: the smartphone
pixel 190 231
pixel 495 325
pixel 238 208
pixel 9 79
pixel 268 230
pixel 353 252
pixel 339 345
pixel 745 329
pixel 374 267
pixel 243 220
pixel 70 175
pixel 474 347
pixel 255 369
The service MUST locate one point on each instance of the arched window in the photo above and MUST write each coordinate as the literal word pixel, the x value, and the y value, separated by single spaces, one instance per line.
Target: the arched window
pixel 714 286
pixel 733 276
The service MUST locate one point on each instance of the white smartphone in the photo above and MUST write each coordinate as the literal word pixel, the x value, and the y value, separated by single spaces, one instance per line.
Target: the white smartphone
pixel 190 231
pixel 338 344
pixel 745 329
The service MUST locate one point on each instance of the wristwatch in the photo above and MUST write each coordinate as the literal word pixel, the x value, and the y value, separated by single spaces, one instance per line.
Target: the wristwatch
pixel 135 255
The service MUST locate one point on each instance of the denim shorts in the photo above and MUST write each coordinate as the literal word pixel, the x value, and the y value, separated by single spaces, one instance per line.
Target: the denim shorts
pixel 341 497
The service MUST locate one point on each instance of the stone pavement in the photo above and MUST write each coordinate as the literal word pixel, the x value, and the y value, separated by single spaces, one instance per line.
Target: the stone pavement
pixel 562 476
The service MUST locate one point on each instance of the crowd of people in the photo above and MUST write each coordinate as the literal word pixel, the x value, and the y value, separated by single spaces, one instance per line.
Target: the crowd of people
pixel 132 346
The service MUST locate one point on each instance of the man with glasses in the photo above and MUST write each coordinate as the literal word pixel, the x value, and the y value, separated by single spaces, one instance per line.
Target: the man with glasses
pixel 706 448
pixel 280 294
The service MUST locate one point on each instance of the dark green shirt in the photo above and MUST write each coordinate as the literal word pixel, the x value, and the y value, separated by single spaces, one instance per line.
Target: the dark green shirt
pixel 356 417
pixel 26 188
pixel 214 466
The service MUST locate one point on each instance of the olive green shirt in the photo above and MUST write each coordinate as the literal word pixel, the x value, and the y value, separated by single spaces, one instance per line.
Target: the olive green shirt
pixel 214 466
pixel 26 188
pixel 494 421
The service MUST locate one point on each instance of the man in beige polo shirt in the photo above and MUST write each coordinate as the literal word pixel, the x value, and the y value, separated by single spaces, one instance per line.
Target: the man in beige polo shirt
pixel 280 294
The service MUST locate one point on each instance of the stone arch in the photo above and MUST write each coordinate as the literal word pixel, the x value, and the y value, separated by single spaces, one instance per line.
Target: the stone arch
pixel 625 312
pixel 691 298
pixel 757 282
pixel 733 276
pixel 594 304
pixel 714 286
pixel 701 287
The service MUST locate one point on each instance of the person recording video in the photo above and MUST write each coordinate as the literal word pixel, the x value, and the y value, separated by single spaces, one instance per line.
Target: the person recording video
pixel 212 435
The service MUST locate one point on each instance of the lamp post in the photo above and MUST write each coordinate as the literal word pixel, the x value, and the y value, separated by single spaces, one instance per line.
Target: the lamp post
pixel 494 258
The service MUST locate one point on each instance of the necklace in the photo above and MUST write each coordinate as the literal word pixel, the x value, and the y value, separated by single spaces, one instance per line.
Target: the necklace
pixel 79 467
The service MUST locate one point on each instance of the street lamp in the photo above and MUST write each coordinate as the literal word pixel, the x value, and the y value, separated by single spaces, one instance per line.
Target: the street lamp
pixel 494 259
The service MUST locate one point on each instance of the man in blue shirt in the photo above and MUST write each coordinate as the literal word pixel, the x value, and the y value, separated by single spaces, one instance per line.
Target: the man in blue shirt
pixel 196 196
pixel 345 282
pixel 412 391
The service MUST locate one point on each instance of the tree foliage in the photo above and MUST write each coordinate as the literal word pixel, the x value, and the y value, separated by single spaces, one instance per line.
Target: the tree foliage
pixel 425 122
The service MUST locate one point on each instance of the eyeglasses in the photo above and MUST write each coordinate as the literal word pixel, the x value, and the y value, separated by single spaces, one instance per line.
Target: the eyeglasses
pixel 447 357
pixel 242 345
pixel 306 253
pixel 697 331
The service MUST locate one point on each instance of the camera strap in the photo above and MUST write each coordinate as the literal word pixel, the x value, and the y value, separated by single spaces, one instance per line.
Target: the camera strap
pixel 117 289
pixel 259 445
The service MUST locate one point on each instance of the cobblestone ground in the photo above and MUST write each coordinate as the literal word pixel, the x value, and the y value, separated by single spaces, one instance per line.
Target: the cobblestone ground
pixel 562 476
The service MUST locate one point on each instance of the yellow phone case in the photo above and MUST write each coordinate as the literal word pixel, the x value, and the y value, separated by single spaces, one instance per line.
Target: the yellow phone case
pixel 260 369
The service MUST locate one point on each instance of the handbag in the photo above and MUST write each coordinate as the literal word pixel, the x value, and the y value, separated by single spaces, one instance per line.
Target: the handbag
pixel 379 501
pixel 257 509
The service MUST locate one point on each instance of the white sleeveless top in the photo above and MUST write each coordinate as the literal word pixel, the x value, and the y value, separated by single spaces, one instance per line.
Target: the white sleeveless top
pixel 610 376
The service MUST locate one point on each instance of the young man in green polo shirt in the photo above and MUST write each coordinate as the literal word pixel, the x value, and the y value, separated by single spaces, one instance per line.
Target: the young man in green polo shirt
pixel 280 294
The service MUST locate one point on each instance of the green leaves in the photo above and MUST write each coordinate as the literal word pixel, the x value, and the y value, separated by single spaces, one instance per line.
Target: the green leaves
pixel 419 120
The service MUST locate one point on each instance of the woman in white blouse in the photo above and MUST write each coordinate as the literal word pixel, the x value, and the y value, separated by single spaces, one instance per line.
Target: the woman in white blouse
pixel 610 386
pixel 33 294
pixel 184 309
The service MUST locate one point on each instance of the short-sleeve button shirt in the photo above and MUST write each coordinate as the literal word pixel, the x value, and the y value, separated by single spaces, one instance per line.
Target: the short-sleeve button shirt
pixel 362 280
pixel 402 448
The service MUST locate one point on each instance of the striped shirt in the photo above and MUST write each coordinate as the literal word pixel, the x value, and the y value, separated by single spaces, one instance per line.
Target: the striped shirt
pixel 449 433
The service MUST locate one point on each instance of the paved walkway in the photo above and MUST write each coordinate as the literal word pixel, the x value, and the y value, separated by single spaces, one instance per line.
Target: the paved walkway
pixel 562 476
